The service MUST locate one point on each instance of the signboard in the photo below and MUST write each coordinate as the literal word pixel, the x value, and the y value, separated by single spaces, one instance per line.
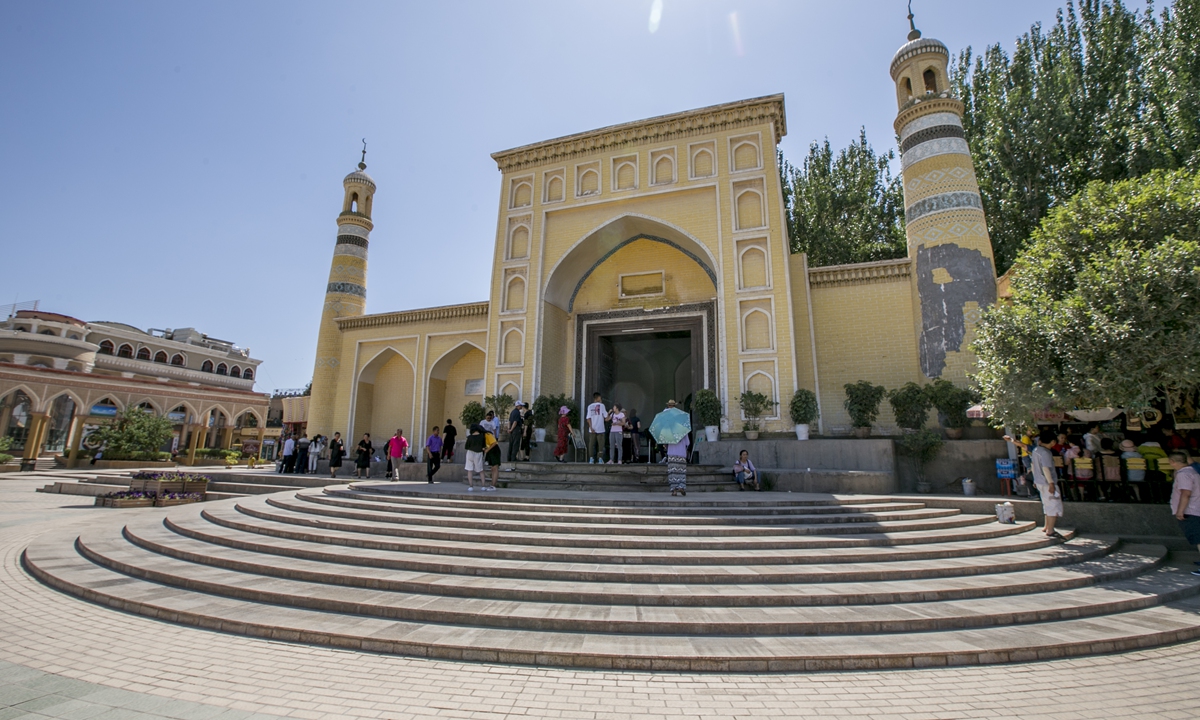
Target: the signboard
pixel 103 411
pixel 178 417
pixel 474 387
pixel 1006 469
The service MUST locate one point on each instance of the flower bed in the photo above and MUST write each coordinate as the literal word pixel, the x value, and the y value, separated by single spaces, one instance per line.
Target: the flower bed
pixel 178 499
pixel 163 483
pixel 137 498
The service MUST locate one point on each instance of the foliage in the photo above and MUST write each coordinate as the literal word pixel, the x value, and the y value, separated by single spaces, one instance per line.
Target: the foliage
pixel 556 402
pixel 545 412
pixel 952 402
pixel 1104 304
pixel 472 413
pixel 803 408
pixel 219 453
pixel 132 435
pixel 910 403
pixel 5 444
pixel 862 402
pixel 500 404
pixel 172 476
pixel 708 407
pixel 5 457
pixel 844 209
pixel 920 447
pixel 1105 94
pixel 754 406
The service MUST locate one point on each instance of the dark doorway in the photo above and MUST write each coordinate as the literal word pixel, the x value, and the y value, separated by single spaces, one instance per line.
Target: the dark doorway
pixel 641 359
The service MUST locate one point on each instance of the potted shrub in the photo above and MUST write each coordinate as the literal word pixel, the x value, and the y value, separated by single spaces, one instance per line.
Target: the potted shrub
pixel 708 410
pixel 920 447
pixel 545 414
pixel 472 413
pixel 500 404
pixel 754 406
pixel 862 402
pixel 952 403
pixel 911 404
pixel 804 411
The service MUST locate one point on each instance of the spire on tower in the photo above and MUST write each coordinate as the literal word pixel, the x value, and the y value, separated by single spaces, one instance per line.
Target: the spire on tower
pixel 362 165
pixel 913 33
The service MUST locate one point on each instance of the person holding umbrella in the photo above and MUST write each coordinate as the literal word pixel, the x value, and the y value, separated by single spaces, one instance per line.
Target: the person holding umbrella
pixel 671 428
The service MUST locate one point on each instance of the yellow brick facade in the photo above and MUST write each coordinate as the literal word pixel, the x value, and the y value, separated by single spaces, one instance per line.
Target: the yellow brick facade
pixel 672 222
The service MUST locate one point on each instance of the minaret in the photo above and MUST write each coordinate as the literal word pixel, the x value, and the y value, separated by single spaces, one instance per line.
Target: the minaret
pixel 345 295
pixel 954 274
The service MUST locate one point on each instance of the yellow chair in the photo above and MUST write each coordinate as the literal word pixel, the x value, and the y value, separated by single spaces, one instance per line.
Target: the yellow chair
pixel 1136 464
pixel 1082 466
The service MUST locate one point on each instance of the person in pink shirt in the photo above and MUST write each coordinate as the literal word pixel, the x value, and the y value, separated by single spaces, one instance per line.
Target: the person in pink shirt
pixel 397 448
pixel 1185 498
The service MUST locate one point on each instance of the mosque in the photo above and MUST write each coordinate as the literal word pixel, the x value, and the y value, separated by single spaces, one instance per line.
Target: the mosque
pixel 651 259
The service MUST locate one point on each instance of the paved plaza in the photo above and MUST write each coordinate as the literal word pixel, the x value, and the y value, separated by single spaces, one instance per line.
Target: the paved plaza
pixel 62 657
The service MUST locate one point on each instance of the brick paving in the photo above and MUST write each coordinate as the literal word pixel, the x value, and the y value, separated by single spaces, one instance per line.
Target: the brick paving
pixel 61 657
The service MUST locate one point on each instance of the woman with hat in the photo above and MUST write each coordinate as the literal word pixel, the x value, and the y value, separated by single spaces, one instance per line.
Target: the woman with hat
pixel 564 434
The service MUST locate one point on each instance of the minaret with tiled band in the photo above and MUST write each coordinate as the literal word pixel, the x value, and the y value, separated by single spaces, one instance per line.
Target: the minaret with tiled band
pixel 345 295
pixel 954 273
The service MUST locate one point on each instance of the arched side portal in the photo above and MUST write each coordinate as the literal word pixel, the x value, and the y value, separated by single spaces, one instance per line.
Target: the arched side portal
pixel 457 371
pixel 384 395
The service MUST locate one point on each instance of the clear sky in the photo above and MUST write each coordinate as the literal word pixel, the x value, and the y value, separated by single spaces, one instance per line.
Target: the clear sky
pixel 172 164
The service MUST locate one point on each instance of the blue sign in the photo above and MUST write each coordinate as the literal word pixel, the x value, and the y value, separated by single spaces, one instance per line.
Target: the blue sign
pixel 104 411
pixel 1006 468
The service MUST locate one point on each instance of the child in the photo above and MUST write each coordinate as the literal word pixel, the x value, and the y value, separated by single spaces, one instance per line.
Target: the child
pixel 474 447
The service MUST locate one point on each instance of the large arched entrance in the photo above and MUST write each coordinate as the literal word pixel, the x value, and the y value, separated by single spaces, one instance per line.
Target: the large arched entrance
pixel 631 311
pixel 383 399
pixel 455 379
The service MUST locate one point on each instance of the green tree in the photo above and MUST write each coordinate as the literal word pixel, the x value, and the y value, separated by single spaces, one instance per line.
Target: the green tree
pixel 845 208
pixel 1104 94
pixel 133 435
pixel 1105 301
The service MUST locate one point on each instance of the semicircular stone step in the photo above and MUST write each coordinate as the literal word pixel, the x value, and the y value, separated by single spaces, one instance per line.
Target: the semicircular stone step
pixel 1057 568
pixel 1120 596
pixel 713 523
pixel 980 539
pixel 289 509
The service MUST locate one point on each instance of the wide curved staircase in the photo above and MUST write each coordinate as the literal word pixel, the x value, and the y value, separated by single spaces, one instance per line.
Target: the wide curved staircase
pixel 719 582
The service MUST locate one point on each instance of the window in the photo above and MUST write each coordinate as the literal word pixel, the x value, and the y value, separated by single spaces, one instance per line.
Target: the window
pixel 106 347
pixel 930 80
pixel 207 366
pixel 48 332
pixel 235 372
pixel 248 374
pixel 160 357
pixel 177 359
pixel 143 354
pixel 222 369
pixel 125 351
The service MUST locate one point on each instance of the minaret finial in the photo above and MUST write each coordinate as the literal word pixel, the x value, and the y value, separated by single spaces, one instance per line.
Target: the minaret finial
pixel 913 33
pixel 362 165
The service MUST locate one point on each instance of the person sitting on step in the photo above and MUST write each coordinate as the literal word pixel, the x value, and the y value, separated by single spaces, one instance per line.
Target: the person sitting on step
pixel 745 473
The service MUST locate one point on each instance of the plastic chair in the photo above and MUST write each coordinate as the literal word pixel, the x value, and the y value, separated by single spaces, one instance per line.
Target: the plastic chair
pixel 1083 466
pixel 1135 464
pixel 1110 474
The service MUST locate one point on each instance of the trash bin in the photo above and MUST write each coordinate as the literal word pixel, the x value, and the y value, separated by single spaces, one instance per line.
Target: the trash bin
pixel 968 487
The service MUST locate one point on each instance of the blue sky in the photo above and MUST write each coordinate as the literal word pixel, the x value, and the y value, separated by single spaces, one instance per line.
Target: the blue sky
pixel 171 164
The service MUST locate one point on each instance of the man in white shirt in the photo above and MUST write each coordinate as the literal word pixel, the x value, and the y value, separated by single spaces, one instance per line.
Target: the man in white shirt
pixel 596 413
pixel 1045 478
pixel 289 455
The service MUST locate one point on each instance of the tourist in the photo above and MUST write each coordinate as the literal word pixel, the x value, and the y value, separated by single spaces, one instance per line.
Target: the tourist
pixel 616 434
pixel 634 425
pixel 475 445
pixel 302 454
pixel 314 453
pixel 397 448
pixel 527 434
pixel 289 456
pixel 516 424
pixel 596 413
pixel 1077 449
pixel 337 450
pixel 1185 498
pixel 490 423
pixel 1023 445
pixel 677 453
pixel 745 472
pixel 491 456
pixel 362 460
pixel 449 435
pixel 1173 440
pixel 433 453
pixel 564 434
pixel 1060 444
pixel 1044 477
pixel 1091 441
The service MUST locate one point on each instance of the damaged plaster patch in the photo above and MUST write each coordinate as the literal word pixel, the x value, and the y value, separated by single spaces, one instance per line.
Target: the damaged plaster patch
pixel 943 304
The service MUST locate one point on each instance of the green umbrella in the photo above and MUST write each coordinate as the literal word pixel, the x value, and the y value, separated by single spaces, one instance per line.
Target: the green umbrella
pixel 670 426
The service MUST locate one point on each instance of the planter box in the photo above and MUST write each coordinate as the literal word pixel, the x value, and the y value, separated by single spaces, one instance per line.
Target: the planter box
pixel 165 502
pixel 128 502
pixel 162 487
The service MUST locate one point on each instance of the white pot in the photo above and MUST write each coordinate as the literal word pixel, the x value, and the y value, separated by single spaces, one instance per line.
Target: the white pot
pixel 539 435
pixel 802 432
pixel 751 434
pixel 712 433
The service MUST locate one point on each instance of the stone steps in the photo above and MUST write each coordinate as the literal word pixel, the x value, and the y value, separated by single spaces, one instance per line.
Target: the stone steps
pixel 861 584
pixel 775 581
